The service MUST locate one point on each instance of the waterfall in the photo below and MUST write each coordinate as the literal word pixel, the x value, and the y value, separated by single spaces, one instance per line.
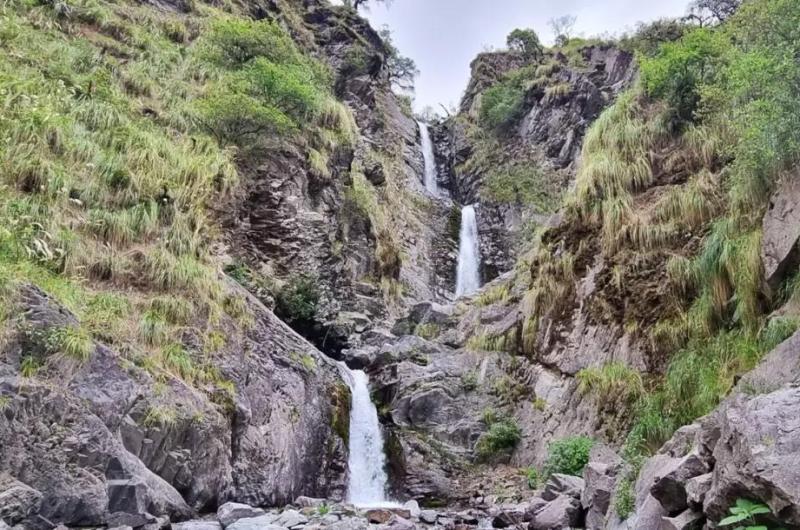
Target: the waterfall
pixel 468 278
pixel 367 461
pixel 430 179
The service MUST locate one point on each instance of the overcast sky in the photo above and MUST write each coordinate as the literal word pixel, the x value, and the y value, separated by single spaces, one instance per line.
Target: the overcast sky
pixel 443 36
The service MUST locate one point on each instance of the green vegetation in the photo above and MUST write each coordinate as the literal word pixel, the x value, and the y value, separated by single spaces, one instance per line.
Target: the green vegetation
pixel 428 330
pixel 568 456
pixel 523 185
pixel 297 300
pixel 501 106
pixel 745 515
pixel 503 435
pixel 532 478
pixel 469 381
pixel 525 42
pixel 611 379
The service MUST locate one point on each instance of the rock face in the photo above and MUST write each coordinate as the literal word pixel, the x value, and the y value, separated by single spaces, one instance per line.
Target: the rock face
pixel 781 229
pixel 105 443
pixel 740 451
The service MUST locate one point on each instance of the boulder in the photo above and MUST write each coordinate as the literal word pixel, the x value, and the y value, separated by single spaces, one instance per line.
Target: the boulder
pixel 696 489
pixel 687 520
pixel 231 512
pixel 291 519
pixel 781 228
pixel 562 512
pixel 757 455
pixel 413 508
pixel 379 515
pixel 509 515
pixel 428 516
pixel 197 525
pixel 397 522
pixel 559 484
pixel 670 483
pixel 17 500
pixel 600 482
pixel 309 502
pixel 262 522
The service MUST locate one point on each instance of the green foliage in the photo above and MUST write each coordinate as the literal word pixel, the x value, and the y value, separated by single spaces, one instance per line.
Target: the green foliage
pixel 568 456
pixel 612 379
pixel 469 381
pixel 525 42
pixel 747 512
pixel 428 331
pixel 74 342
pixel 532 478
pixel 523 185
pixel 648 37
pixel 502 436
pixel 297 300
pixel 402 70
pixel 501 106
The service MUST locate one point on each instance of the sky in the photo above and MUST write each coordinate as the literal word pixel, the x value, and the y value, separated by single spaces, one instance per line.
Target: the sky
pixel 443 36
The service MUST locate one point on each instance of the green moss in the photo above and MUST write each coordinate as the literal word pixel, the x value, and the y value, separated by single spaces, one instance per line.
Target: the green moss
pixel 340 416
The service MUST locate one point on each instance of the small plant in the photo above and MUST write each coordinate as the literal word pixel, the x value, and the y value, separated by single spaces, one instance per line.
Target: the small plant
pixel 29 366
pixel 298 299
pixel 568 456
pixel 532 477
pixel 72 342
pixel 488 416
pixel 747 512
pixel 469 381
pixel 502 436
pixel 540 404
pixel 625 497
pixel 323 509
pixel 427 331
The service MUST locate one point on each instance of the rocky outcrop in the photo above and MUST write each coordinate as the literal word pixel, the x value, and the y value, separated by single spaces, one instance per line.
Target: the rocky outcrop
pixel 781 227
pixel 91 443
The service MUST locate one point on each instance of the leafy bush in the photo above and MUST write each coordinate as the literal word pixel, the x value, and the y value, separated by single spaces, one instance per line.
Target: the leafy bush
pixel 502 436
pixel 532 478
pixel 747 512
pixel 568 456
pixel 501 106
pixel 298 299
pixel 648 37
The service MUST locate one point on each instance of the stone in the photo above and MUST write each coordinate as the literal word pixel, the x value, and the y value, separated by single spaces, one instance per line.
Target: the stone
pixel 756 453
pixel 379 515
pixel 559 484
pixel 134 520
pixel 291 519
pixel 428 516
pixel 670 483
pixel 413 508
pixel 197 525
pixel 596 498
pixel 349 523
pixel 688 520
pixel 562 512
pixel 781 229
pixel 397 522
pixel 373 170
pixel 309 502
pixel 262 522
pixel 231 512
pixel 17 500
pixel 696 489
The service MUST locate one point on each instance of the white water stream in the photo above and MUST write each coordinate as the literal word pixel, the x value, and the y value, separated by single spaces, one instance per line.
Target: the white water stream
pixel 467 275
pixel 367 461
pixel 430 180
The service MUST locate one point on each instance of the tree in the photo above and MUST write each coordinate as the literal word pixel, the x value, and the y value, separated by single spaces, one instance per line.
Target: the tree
pixel 402 70
pixel 525 42
pixel 710 12
pixel 562 28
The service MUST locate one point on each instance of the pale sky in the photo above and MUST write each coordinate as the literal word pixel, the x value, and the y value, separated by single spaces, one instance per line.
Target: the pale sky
pixel 443 36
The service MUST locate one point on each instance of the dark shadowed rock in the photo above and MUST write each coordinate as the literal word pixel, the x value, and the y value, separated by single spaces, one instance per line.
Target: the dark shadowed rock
pixel 17 501
pixel 671 478
pixel 379 515
pixel 688 520
pixel 696 489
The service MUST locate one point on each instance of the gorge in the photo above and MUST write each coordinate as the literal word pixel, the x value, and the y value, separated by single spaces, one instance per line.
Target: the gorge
pixel 243 286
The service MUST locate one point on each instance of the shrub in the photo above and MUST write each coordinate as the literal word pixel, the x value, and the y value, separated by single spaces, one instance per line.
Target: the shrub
pixel 523 185
pixel 469 381
pixel 568 456
pixel 526 42
pixel 532 478
pixel 298 299
pixel 502 436
pixel 501 106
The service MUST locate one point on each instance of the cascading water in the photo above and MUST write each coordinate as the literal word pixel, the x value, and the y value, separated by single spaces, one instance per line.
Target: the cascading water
pixel 431 183
pixel 367 461
pixel 467 276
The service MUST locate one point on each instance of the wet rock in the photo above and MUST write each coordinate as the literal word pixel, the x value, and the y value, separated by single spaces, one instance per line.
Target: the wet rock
pixel 379 515
pixel 559 484
pixel 413 508
pixel 17 500
pixel 231 512
pixel 562 512
pixel 688 520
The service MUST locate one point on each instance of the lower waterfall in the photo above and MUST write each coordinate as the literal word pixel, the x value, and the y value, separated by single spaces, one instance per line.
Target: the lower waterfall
pixel 467 275
pixel 367 461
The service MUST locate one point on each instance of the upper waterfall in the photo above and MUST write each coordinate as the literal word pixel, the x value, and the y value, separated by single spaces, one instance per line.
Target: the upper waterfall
pixel 468 276
pixel 367 461
pixel 430 174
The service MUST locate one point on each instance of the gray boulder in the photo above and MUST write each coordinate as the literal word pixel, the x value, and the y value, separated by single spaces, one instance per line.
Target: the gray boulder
pixel 428 516
pixel 670 483
pixel 559 484
pixel 562 512
pixel 596 498
pixel 197 525
pixel 399 523
pixel 688 520
pixel 757 455
pixel 231 512
pixel 696 489
pixel 291 519
pixel 781 226
pixel 17 500
pixel 413 508
pixel 262 522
